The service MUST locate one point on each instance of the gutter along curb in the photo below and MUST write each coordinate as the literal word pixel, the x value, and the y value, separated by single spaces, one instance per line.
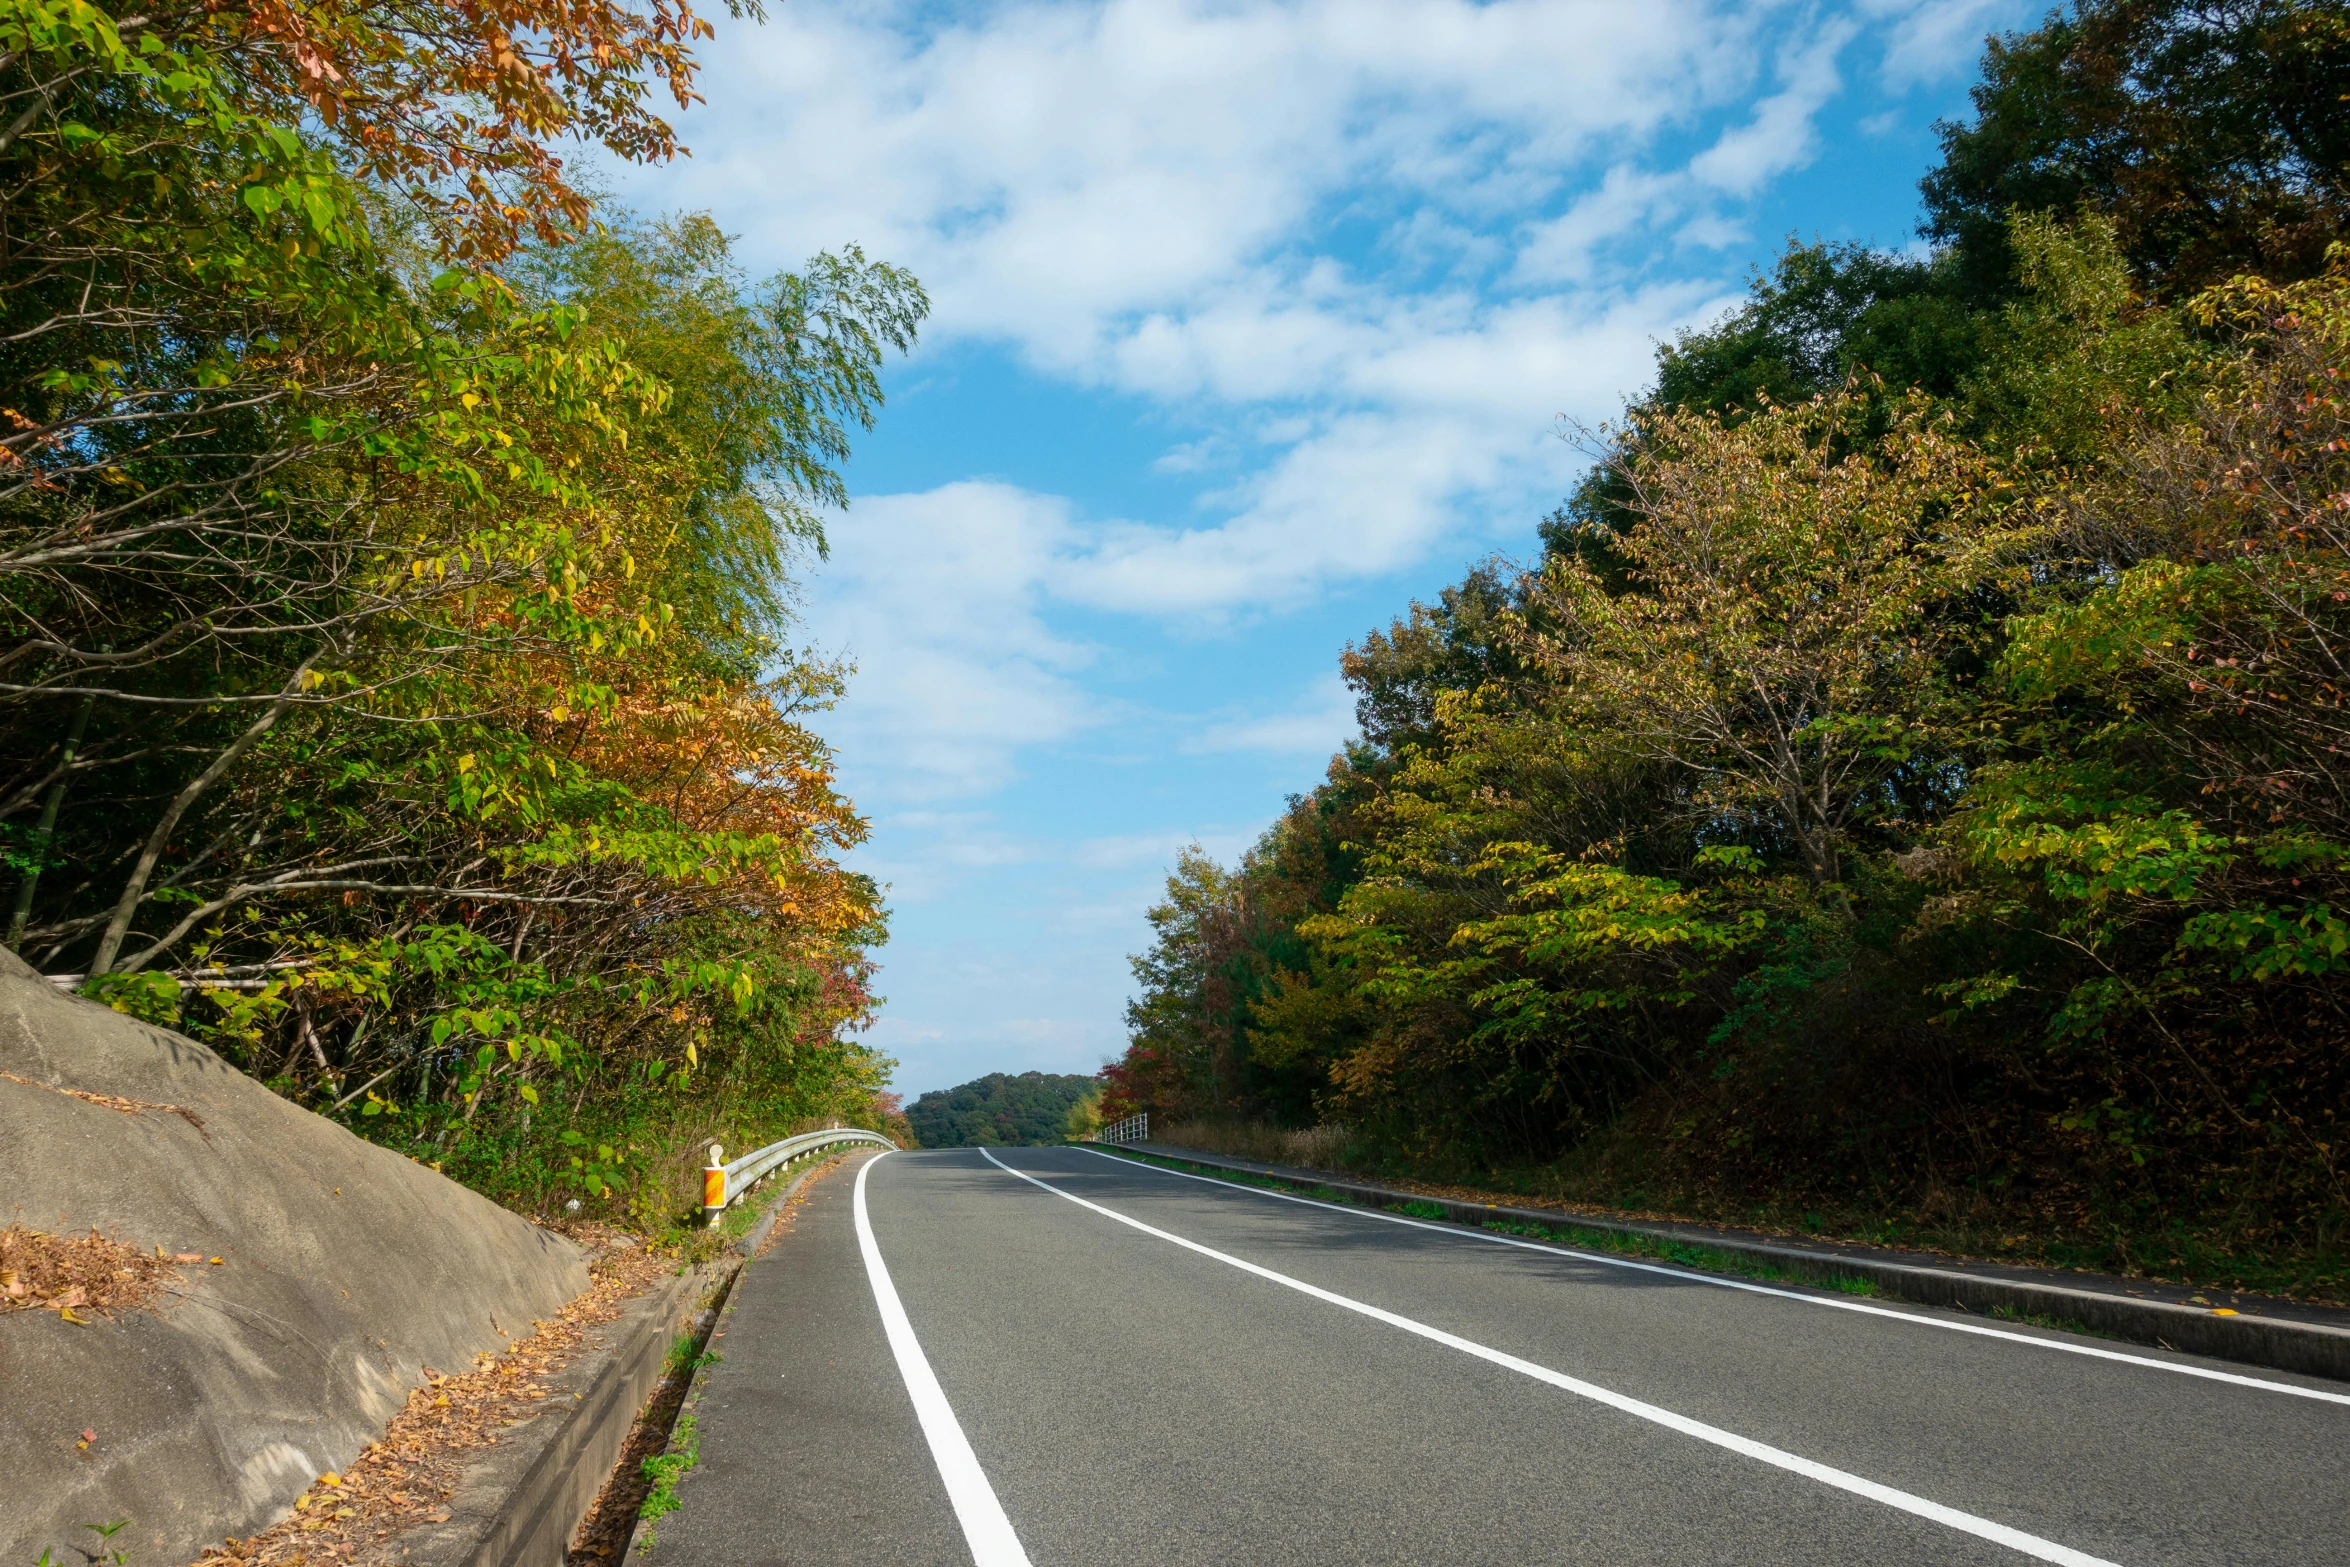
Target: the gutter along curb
pixel 2311 1347
pixel 517 1506
pixel 520 1505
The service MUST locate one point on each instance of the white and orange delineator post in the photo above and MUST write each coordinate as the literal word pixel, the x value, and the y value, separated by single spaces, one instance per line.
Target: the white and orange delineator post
pixel 714 1186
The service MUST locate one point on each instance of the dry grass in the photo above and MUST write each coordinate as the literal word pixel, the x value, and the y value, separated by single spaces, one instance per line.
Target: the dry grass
pixel 1314 1148
pixel 69 1273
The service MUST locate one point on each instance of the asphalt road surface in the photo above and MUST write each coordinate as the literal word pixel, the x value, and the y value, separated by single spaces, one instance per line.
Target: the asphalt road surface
pixel 1053 1356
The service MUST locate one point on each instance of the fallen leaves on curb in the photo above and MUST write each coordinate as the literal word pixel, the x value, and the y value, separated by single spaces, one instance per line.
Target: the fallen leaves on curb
pixel 60 1273
pixel 409 1477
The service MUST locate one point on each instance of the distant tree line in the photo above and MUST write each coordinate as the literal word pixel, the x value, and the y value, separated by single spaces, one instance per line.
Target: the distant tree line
pixel 1000 1110
pixel 1907 793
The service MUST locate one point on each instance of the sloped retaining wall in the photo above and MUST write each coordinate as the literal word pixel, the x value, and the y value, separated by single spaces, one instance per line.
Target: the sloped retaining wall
pixel 346 1269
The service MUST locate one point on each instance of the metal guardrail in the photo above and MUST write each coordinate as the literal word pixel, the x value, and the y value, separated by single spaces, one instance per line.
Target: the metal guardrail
pixel 723 1183
pixel 1134 1129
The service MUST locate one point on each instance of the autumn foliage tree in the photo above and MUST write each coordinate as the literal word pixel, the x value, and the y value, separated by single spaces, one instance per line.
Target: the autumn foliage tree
pixel 397 686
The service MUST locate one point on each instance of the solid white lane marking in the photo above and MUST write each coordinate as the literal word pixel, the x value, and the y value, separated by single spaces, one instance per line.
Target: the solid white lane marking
pixel 1692 1276
pixel 985 1528
pixel 1950 1517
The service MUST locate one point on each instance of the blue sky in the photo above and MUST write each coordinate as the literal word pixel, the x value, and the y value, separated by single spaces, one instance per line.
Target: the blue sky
pixel 1253 321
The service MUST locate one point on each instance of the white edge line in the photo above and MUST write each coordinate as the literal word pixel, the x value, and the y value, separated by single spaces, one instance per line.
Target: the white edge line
pixel 1466 1232
pixel 985 1528
pixel 1950 1517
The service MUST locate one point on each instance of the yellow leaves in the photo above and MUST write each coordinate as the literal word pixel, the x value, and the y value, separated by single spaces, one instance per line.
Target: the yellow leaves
pixel 66 1314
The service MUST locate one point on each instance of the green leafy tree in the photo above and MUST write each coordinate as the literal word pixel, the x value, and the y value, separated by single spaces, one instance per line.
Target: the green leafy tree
pixel 2211 133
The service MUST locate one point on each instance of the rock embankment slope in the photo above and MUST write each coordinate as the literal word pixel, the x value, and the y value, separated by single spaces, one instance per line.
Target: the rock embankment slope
pixel 345 1270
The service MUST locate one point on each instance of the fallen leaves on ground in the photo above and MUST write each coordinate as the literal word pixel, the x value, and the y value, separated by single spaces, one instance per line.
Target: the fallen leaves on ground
pixel 408 1478
pixel 111 1101
pixel 93 1272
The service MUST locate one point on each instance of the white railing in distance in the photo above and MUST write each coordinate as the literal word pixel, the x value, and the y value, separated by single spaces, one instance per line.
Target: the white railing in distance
pixel 1134 1129
pixel 722 1184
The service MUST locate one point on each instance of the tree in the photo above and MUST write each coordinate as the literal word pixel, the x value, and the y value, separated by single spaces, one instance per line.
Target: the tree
pixel 2210 132
pixel 416 634
pixel 1797 600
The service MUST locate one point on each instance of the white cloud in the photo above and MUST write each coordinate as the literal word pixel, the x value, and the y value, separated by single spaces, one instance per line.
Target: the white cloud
pixel 1311 728
pixel 1779 135
pixel 935 597
pixel 1122 851
pixel 1141 195
pixel 1931 40
pixel 1074 178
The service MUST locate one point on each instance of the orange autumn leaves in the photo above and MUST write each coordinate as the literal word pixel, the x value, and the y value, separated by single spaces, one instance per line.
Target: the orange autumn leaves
pixel 464 102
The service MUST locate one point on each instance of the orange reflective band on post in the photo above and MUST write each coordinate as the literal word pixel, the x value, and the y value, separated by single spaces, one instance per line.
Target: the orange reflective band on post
pixel 713 1188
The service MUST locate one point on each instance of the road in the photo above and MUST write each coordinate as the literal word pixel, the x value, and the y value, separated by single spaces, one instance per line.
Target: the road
pixel 1053 1356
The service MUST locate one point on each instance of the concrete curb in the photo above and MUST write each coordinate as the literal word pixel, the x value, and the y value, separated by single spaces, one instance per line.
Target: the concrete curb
pixel 2310 1348
pixel 752 1240
pixel 518 1506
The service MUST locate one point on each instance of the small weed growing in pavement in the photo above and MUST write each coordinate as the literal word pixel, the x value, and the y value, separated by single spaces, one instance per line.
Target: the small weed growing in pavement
pixel 113 1557
pixel 682 1357
pixel 1416 1210
pixel 666 1469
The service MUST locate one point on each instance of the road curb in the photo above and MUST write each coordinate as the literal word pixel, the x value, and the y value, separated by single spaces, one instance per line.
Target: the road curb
pixel 746 1250
pixel 2312 1349
pixel 518 1506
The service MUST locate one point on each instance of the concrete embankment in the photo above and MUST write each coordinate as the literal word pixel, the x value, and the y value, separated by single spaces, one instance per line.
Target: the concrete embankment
pixel 344 1271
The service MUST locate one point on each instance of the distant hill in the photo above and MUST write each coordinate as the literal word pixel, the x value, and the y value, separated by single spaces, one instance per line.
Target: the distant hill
pixel 998 1110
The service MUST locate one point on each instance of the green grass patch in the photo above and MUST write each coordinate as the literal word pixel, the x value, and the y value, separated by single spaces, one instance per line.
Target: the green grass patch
pixel 665 1470
pixel 2037 1319
pixel 685 1356
pixel 1686 1254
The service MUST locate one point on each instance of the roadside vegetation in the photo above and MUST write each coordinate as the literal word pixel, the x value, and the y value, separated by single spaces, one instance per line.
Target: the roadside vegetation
pixel 398 691
pixel 1903 797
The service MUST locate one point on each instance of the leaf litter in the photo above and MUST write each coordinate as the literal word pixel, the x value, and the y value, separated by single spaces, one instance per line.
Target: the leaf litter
pixel 409 1476
pixel 69 1274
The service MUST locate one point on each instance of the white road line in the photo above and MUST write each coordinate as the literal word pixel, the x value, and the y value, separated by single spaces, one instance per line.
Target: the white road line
pixel 985 1528
pixel 1692 1276
pixel 1950 1517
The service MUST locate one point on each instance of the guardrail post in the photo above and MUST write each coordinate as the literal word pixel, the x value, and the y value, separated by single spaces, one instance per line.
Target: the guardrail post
pixel 714 1186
